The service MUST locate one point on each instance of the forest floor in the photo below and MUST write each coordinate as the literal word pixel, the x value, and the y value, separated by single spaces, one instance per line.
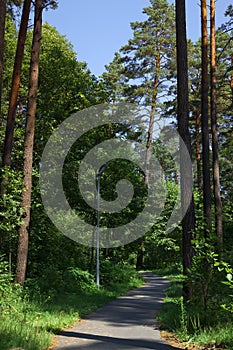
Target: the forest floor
pixel 171 338
pixel 126 323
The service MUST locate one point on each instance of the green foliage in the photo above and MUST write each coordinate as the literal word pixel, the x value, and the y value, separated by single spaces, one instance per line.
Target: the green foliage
pixel 10 211
pixel 45 311
pixel 148 57
pixel 113 274
pixel 9 49
pixel 228 270
pixel 205 283
pixel 5 276
pixel 76 280
pixel 59 288
pixel 183 320
pixel 163 248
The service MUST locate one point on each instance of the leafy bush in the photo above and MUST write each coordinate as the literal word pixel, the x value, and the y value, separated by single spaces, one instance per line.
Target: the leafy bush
pixel 224 266
pixel 5 276
pixel 117 273
pixel 208 292
pixel 50 282
pixel 76 280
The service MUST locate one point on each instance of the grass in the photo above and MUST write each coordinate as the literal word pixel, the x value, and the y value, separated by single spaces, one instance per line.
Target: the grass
pixel 219 337
pixel 184 323
pixel 30 322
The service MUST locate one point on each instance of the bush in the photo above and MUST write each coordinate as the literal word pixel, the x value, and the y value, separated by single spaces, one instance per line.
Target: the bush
pixel 76 280
pixel 5 276
pixel 117 273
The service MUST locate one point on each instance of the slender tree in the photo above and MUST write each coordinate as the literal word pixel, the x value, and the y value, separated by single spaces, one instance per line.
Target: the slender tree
pixel 213 82
pixel 198 149
pixel 205 121
pixel 148 56
pixel 2 31
pixel 28 145
pixel 9 134
pixel 188 223
pixel 194 54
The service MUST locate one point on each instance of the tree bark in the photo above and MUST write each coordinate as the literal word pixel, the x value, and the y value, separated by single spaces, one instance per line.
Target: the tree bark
pixel 152 119
pixel 205 123
pixel 216 172
pixel 22 252
pixel 188 222
pixel 140 252
pixel 2 35
pixel 9 134
pixel 198 149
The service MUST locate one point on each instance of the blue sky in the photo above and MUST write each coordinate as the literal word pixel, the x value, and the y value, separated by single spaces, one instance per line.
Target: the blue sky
pixel 97 29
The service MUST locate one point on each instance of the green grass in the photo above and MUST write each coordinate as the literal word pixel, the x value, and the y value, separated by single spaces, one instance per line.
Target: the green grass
pixel 219 337
pixel 184 322
pixel 172 273
pixel 30 322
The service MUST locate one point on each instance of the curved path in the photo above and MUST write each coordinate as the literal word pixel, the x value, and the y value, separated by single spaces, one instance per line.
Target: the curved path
pixel 127 323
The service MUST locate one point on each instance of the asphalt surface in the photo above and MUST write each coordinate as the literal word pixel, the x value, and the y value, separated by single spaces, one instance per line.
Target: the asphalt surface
pixel 124 324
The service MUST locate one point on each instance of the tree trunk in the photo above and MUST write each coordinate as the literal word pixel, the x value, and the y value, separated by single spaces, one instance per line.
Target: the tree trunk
pixel 28 146
pixel 140 252
pixel 205 123
pixel 188 222
pixel 9 134
pixel 140 255
pixel 2 36
pixel 148 143
pixel 198 150
pixel 152 119
pixel 2 33
pixel 216 172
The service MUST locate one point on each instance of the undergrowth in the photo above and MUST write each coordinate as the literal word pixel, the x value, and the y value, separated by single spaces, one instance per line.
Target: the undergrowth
pixel 187 325
pixel 30 316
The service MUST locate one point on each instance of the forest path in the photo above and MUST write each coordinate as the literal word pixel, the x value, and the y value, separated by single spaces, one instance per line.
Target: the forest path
pixel 124 324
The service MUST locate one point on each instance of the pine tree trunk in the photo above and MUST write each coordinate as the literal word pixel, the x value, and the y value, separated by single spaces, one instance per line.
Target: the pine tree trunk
pixel 28 146
pixel 140 252
pixel 205 123
pixel 198 150
pixel 2 39
pixel 188 222
pixel 149 143
pixel 216 172
pixel 9 134
pixel 2 34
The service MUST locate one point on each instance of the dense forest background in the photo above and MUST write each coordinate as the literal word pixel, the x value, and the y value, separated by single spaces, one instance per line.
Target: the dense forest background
pixel 42 83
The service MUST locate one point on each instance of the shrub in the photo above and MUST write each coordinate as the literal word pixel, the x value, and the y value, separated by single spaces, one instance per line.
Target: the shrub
pixel 117 273
pixel 76 279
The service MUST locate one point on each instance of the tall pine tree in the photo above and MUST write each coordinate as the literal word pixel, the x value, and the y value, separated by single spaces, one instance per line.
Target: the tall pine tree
pixel 148 58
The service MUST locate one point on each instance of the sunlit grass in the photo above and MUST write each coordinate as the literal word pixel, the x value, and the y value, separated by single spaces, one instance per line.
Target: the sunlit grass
pixel 31 322
pixel 176 318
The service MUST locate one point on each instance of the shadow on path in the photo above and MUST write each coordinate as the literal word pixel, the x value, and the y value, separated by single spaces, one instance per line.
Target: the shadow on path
pixel 125 323
pixel 110 341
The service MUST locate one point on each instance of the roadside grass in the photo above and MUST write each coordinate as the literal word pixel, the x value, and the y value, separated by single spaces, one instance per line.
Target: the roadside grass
pixel 30 320
pixel 183 324
pixel 219 337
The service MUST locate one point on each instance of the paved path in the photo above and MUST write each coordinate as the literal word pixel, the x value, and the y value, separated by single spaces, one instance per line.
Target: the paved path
pixel 124 324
